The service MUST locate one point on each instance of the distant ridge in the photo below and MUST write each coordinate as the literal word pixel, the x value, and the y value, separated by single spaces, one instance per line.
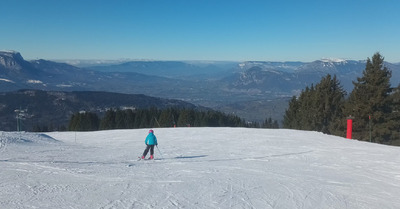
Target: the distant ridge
pixel 224 86
pixel 54 108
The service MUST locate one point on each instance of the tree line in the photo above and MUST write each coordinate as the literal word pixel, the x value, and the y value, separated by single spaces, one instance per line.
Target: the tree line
pixel 153 117
pixel 373 105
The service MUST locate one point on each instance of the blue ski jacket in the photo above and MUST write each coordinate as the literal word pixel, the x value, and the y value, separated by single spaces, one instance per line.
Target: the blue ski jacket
pixel 151 139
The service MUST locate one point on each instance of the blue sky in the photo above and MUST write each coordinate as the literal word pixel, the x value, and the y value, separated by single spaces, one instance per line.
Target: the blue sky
pixel 285 30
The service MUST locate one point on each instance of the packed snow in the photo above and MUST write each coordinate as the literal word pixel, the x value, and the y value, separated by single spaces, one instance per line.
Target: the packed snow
pixel 196 168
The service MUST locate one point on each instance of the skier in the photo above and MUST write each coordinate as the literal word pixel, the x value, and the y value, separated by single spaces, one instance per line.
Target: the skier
pixel 150 141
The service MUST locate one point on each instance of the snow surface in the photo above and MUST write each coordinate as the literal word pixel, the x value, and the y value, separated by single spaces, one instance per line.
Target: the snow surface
pixel 199 168
pixel 35 81
pixel 334 60
pixel 8 53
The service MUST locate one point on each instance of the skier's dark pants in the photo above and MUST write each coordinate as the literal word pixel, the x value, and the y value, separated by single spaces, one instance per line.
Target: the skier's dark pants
pixel 149 147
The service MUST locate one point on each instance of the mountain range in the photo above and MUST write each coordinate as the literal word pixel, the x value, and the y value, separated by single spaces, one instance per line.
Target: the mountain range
pixel 232 87
pixel 53 109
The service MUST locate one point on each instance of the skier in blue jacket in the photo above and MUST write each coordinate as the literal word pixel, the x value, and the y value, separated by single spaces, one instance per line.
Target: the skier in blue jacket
pixel 151 141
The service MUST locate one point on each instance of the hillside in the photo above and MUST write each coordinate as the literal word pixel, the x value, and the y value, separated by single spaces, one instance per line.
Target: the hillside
pixel 53 109
pixel 225 86
pixel 198 168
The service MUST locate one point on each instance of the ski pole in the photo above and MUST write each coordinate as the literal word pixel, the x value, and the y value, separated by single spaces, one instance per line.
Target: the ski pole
pixel 159 152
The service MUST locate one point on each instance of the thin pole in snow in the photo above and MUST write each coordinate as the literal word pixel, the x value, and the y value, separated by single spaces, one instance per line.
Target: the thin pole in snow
pixel 370 133
pixel 160 152
pixel 157 122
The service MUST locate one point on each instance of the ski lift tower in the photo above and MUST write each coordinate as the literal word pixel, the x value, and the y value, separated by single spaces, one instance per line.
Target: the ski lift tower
pixel 21 115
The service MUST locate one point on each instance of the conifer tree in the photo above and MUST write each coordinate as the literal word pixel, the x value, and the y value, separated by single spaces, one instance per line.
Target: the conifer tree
pixel 108 121
pixel 144 119
pixel 369 102
pixel 130 118
pixel 291 117
pixel 269 123
pixel 186 118
pixel 316 107
pixel 395 117
pixel 120 119
pixel 72 123
pixel 90 121
pixel 329 104
pixel 307 109
pixel 84 122
pixel 165 119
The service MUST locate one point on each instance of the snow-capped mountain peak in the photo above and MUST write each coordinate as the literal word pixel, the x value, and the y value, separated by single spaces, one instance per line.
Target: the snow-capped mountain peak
pixel 11 59
pixel 8 52
pixel 333 60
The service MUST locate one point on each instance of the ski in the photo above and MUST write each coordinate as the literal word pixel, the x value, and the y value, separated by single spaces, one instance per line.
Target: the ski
pixel 140 158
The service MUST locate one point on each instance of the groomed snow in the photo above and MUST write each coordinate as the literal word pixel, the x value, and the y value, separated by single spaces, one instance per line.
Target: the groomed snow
pixel 199 168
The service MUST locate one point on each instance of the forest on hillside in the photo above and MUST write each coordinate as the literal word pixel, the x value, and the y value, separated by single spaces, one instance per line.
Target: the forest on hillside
pixel 373 105
pixel 154 117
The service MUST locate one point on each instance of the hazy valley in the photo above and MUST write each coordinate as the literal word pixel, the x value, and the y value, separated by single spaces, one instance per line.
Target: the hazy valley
pixel 253 90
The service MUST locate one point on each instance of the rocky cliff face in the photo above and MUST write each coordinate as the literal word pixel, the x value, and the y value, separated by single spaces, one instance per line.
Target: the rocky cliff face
pixel 11 60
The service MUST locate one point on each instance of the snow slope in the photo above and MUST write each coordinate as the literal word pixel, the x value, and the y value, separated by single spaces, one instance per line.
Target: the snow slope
pixel 200 168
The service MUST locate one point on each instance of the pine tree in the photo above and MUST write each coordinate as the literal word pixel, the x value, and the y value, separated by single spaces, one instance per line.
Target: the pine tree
pixel 291 117
pixel 395 117
pixel 307 109
pixel 120 119
pixel 330 101
pixel 370 99
pixel 317 107
pixel 211 119
pixel 186 118
pixel 165 119
pixel 269 123
pixel 144 119
pixel 84 122
pixel 108 121
pixel 130 118
pixel 72 123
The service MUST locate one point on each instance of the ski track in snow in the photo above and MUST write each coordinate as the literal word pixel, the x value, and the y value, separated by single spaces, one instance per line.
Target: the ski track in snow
pixel 200 168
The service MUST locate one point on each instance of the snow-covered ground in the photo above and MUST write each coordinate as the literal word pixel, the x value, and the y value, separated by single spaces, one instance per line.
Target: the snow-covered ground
pixel 199 168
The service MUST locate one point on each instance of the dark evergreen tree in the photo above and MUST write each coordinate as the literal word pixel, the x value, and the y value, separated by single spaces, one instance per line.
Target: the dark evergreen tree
pixel 269 123
pixel 370 98
pixel 291 119
pixel 144 119
pixel 395 117
pixel 84 122
pixel 130 119
pixel 120 119
pixel 317 107
pixel 307 111
pixel 108 121
pixel 329 104
pixel 38 128
pixel 91 122
pixel 165 119
pixel 211 119
pixel 147 118
pixel 186 118
pixel 72 123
